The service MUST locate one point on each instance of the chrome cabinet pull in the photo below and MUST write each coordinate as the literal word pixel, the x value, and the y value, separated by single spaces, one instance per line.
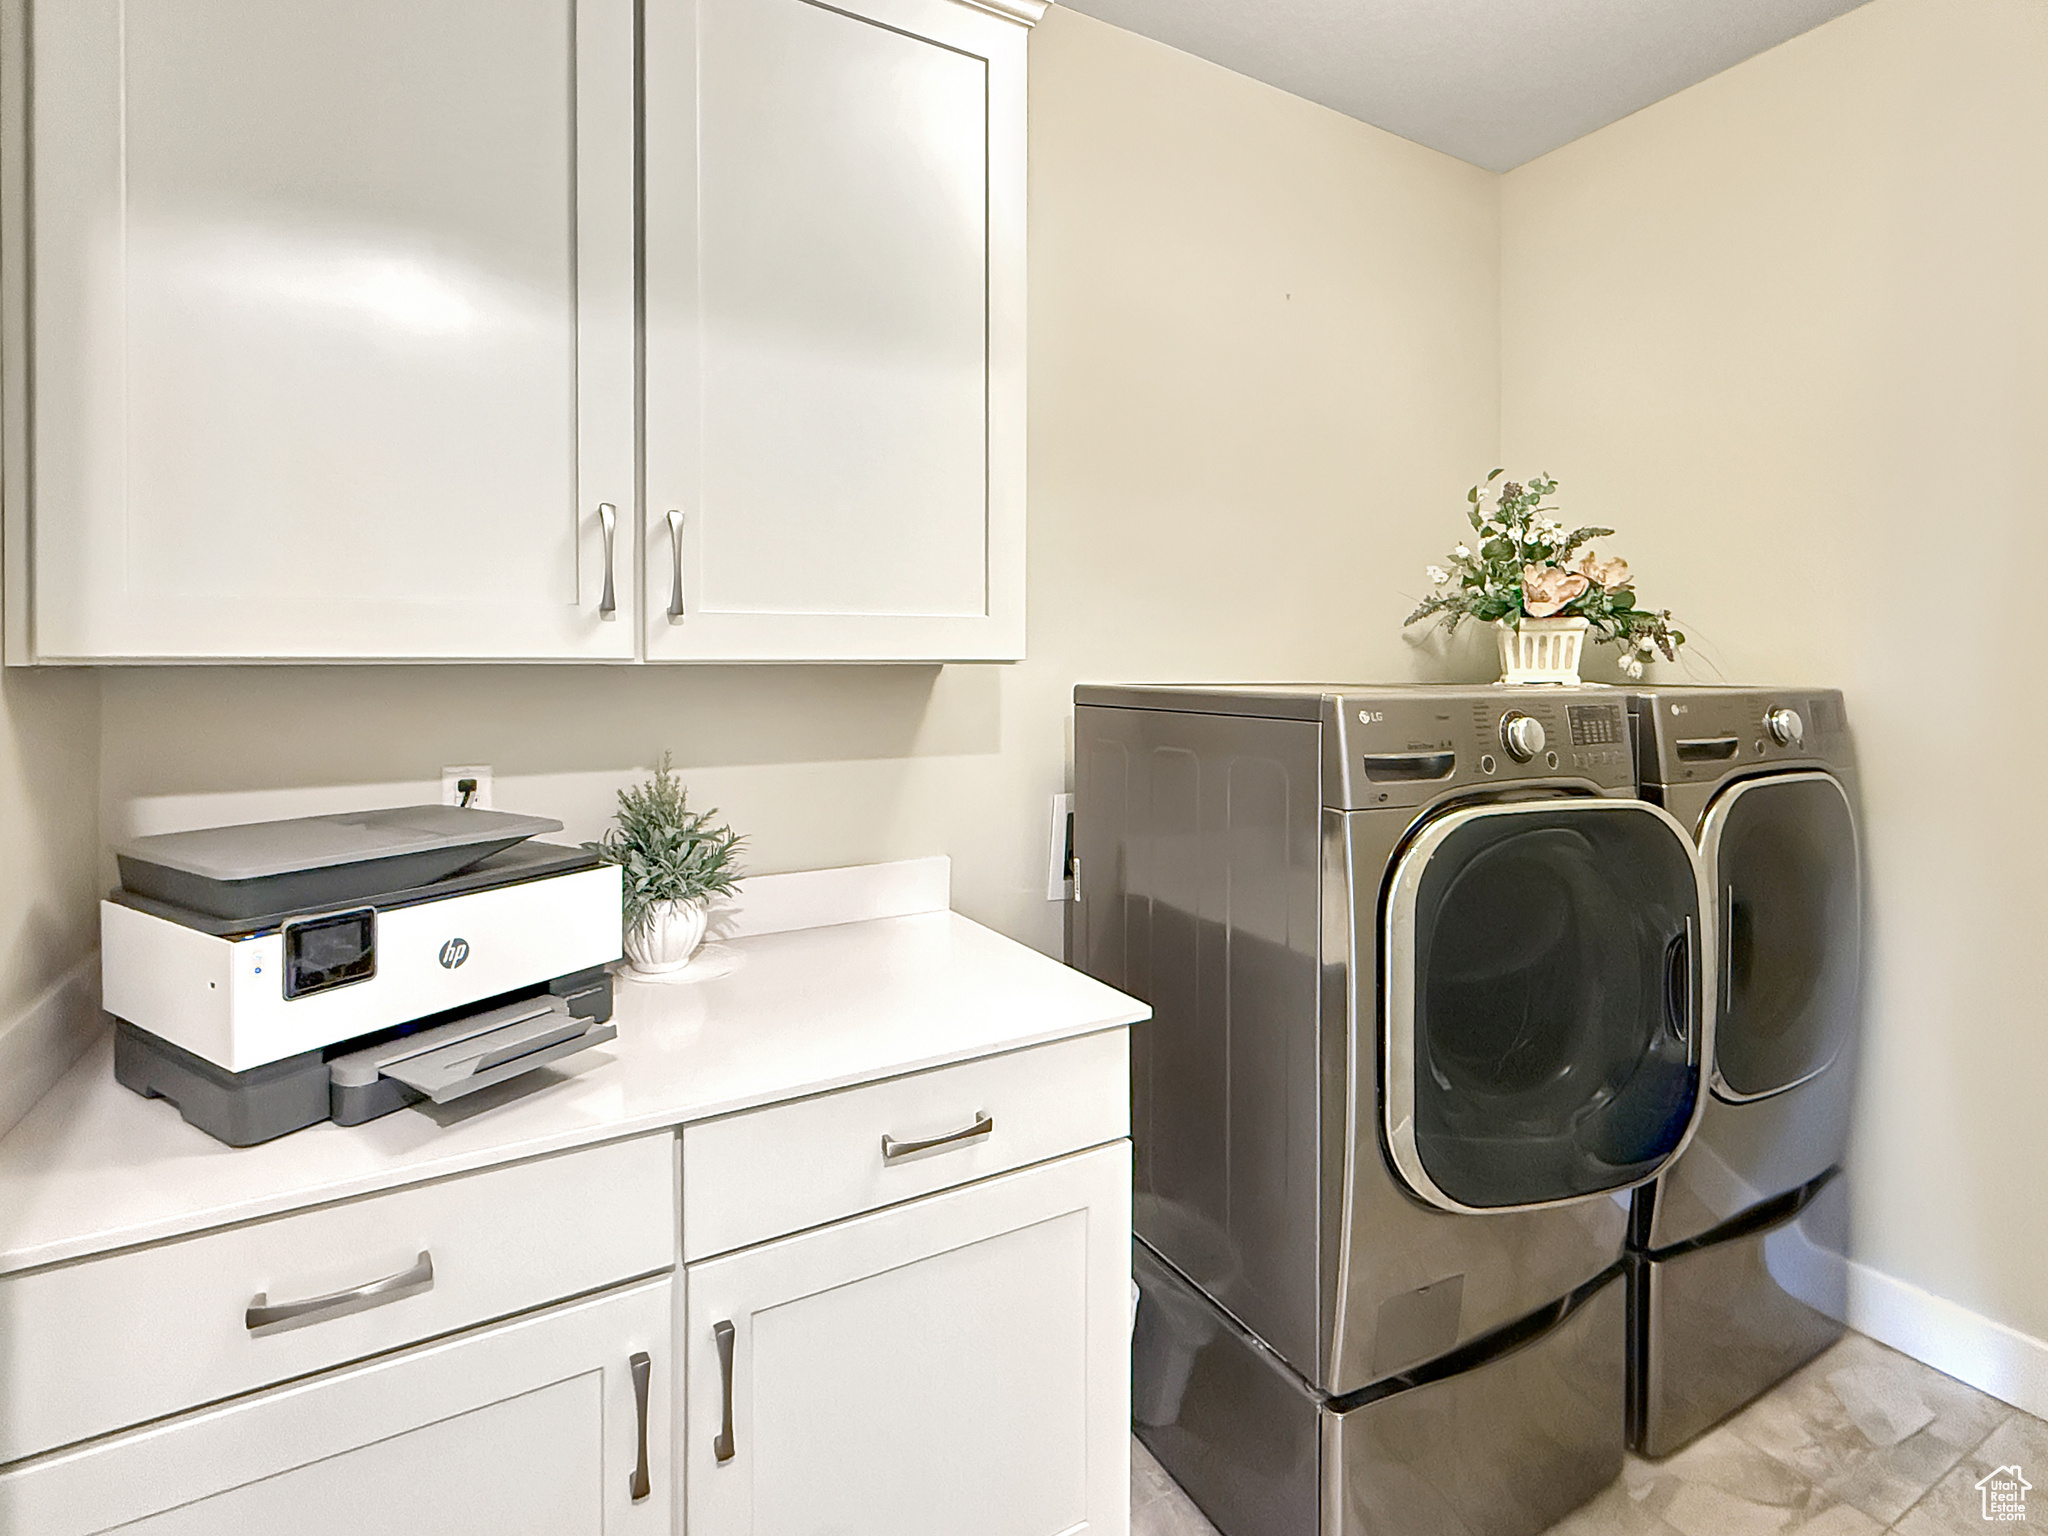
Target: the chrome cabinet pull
pixel 263 1318
pixel 643 1371
pixel 722 1447
pixel 608 516
pixel 675 549
pixel 894 1151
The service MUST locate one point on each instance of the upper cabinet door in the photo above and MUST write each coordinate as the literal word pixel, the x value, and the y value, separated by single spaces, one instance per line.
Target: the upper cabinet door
pixel 332 311
pixel 834 271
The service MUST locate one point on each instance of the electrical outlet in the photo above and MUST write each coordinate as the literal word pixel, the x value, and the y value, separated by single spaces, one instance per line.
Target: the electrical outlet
pixel 473 780
pixel 1059 852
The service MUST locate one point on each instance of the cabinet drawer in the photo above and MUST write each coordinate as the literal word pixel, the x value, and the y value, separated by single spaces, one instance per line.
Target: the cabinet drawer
pixel 768 1172
pixel 91 1347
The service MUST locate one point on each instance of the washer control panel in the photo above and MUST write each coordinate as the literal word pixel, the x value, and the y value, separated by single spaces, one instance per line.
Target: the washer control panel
pixel 1408 748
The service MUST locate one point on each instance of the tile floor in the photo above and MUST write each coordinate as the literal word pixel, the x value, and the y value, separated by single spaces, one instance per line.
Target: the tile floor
pixel 1860 1442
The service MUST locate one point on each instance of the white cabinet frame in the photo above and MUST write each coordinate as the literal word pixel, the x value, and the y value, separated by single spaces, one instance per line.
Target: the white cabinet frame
pixel 179 1461
pixel 77 591
pixel 683 623
pixel 1037 1206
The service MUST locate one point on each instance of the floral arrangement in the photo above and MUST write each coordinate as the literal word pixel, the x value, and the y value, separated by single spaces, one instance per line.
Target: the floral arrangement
pixel 666 851
pixel 1529 565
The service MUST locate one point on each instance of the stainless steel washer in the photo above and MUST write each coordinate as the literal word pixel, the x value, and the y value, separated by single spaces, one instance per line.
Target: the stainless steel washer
pixel 1429 997
pixel 1738 1264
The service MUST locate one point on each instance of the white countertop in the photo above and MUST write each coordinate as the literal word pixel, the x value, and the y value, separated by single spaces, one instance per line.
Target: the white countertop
pixel 772 1017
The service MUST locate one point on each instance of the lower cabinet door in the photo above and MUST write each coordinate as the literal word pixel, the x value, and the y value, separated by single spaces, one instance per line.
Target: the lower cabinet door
pixel 960 1363
pixel 532 1428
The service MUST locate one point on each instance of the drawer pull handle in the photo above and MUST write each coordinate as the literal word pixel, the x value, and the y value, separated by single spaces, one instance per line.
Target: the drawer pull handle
pixel 643 1370
pixel 894 1151
pixel 722 1447
pixel 263 1318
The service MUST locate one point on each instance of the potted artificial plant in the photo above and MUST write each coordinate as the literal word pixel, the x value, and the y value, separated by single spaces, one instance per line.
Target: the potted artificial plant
pixel 673 860
pixel 1543 589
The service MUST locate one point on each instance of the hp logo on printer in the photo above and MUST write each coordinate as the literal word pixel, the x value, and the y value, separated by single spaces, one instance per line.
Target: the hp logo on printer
pixel 453 953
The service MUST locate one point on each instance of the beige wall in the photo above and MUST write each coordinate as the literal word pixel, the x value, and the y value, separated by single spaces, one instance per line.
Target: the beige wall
pixel 1789 331
pixel 49 773
pixel 1262 334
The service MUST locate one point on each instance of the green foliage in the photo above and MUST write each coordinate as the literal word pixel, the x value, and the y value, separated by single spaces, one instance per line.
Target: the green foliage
pixel 666 851
pixel 1530 565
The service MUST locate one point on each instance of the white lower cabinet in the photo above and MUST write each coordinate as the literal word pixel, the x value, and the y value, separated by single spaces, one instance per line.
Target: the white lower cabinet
pixel 554 1425
pixel 956 1363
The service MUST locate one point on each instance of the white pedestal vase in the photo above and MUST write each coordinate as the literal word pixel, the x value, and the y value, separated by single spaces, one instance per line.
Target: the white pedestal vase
pixel 663 941
pixel 1541 650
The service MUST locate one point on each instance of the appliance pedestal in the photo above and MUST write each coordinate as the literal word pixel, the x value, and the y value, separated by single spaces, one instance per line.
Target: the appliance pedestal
pixel 1503 1438
pixel 1714 1326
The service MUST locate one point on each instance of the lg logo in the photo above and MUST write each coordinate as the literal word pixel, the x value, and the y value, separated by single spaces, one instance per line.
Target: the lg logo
pixel 453 953
pixel 1371 716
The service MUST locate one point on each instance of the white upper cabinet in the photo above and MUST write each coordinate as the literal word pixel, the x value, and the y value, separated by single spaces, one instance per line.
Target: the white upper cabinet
pixel 331 311
pixel 834 286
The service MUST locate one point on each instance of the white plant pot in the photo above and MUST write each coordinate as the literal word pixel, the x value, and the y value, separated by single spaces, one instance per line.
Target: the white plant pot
pixel 663 941
pixel 1541 650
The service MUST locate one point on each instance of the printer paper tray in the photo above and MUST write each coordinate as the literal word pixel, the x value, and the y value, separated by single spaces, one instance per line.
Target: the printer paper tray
pixel 450 1060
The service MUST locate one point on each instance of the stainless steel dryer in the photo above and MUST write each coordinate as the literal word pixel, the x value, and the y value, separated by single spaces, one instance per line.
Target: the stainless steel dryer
pixel 1428 998
pixel 1738 1270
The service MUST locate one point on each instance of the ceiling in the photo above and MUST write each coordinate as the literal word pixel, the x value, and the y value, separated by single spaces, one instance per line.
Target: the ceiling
pixel 1495 82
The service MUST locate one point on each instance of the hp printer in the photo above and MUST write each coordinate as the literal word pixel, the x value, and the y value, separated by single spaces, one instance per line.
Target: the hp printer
pixel 268 976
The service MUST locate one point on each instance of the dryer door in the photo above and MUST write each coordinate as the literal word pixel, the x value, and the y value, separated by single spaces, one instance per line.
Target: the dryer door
pixel 1542 1035
pixel 1781 858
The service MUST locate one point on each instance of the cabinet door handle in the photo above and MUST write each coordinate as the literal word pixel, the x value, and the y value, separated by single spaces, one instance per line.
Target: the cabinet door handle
pixel 675 583
pixel 643 1370
pixel 894 1151
pixel 722 1447
pixel 264 1318
pixel 608 518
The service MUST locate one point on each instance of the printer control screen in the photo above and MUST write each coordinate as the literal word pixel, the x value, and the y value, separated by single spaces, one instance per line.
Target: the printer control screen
pixel 322 953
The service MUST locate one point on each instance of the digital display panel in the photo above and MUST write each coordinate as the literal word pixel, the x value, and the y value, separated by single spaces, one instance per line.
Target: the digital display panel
pixel 321 953
pixel 1595 725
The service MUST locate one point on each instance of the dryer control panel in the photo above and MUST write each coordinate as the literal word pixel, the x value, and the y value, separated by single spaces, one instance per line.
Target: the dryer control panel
pixel 1701 735
pixel 1406 748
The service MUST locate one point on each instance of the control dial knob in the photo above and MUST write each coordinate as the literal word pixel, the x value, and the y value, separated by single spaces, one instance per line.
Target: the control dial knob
pixel 1522 735
pixel 1785 726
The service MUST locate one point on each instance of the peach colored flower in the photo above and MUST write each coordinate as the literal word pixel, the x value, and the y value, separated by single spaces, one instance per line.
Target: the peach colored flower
pixel 1610 574
pixel 1546 589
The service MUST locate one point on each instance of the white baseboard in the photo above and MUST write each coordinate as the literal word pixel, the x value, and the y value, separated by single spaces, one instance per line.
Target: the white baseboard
pixel 39 1045
pixel 2010 1365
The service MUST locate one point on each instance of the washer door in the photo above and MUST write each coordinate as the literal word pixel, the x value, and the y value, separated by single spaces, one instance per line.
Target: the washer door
pixel 1545 1004
pixel 1781 856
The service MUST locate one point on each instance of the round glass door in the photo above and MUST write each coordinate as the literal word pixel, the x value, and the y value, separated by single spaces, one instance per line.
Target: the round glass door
pixel 1781 857
pixel 1544 995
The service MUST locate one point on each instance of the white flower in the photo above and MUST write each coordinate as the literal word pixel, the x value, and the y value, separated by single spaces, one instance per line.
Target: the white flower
pixel 1631 666
pixel 1437 575
pixel 1462 553
pixel 1646 645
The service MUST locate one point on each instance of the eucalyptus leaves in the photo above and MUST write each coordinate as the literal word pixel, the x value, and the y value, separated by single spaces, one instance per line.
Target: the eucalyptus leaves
pixel 665 850
pixel 1529 565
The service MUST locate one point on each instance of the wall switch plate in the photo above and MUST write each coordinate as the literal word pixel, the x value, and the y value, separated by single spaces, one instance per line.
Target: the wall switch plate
pixel 455 781
pixel 1059 853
